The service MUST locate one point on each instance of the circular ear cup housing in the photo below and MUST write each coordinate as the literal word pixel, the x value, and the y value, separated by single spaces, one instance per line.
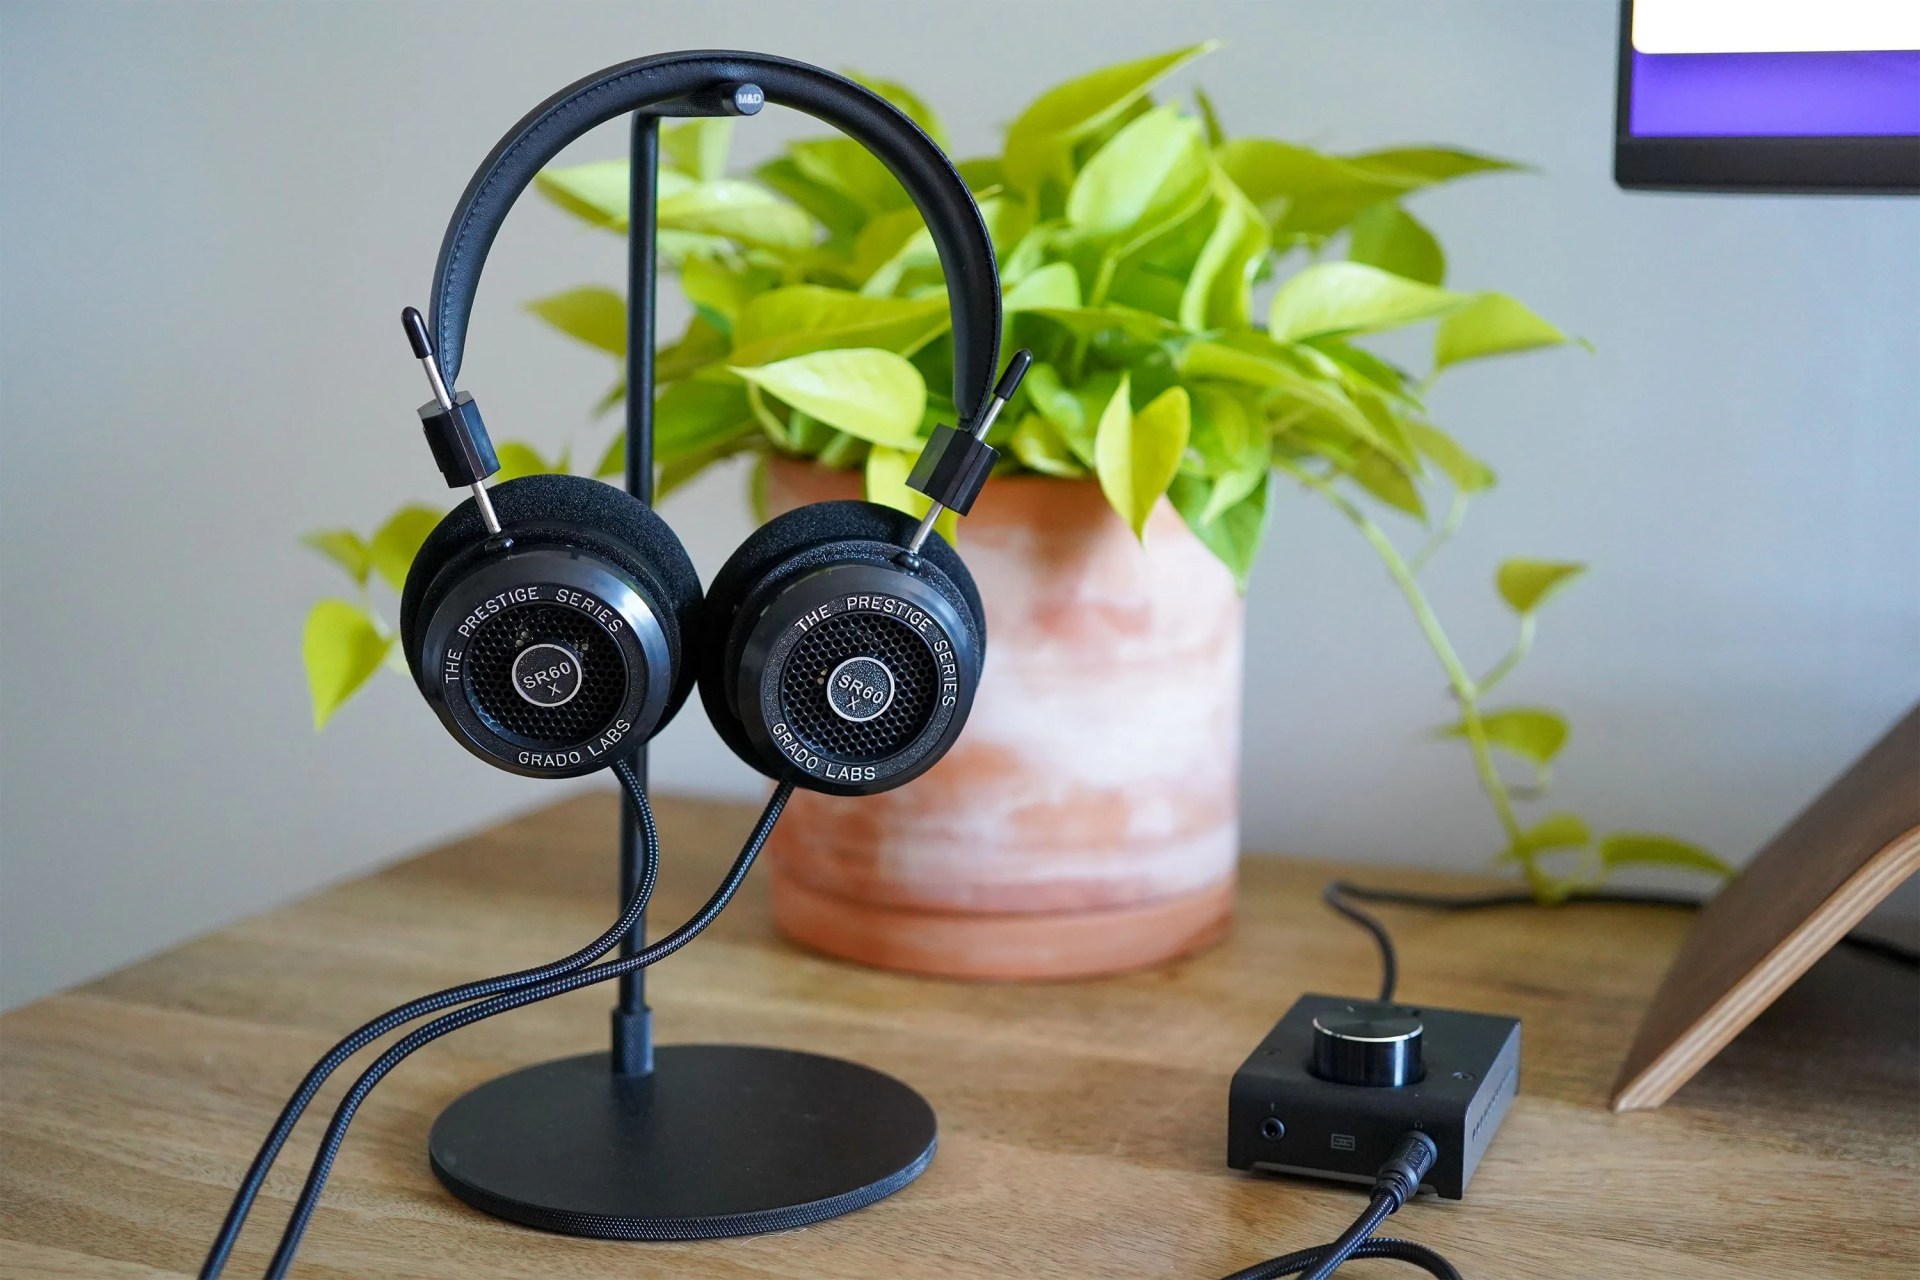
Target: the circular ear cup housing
pixel 560 645
pixel 829 659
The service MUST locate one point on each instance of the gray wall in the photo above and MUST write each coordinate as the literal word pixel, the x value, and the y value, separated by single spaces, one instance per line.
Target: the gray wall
pixel 211 214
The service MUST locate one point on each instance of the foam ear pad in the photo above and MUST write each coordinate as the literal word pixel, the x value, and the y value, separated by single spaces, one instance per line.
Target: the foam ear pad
pixel 803 539
pixel 570 511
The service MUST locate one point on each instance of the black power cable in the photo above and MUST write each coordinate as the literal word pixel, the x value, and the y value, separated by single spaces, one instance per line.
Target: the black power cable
pixel 1335 895
pixel 343 1115
pixel 1861 942
pixel 249 1189
pixel 1342 896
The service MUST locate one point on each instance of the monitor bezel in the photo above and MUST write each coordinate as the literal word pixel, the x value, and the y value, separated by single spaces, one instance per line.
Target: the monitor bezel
pixel 1789 165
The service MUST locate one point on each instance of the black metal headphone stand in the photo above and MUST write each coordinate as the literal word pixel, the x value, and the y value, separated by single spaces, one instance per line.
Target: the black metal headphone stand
pixel 683 1142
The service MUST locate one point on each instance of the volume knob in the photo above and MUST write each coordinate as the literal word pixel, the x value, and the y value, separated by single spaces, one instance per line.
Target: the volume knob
pixel 1373 1045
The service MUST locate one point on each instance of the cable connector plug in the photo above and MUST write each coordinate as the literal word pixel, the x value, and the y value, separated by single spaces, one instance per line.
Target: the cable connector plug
pixel 1413 1156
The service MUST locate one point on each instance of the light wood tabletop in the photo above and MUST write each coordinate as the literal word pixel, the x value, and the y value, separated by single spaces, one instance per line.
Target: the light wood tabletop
pixel 1082 1125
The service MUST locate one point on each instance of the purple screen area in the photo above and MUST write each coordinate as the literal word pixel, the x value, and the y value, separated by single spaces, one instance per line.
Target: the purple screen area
pixel 1775 94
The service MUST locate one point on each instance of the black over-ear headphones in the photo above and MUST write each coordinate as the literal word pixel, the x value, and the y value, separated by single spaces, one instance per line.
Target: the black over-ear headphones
pixel 555 623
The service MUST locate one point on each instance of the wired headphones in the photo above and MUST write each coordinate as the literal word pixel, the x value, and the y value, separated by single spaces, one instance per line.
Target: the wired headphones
pixel 555 623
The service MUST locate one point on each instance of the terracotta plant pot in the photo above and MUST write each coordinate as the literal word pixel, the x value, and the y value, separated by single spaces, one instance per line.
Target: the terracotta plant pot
pixel 1086 822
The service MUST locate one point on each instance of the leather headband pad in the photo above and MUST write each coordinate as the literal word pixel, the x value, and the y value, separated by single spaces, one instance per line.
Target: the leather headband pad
pixel 966 254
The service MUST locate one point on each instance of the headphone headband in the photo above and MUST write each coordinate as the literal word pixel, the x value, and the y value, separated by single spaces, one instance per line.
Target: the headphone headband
pixel 966 254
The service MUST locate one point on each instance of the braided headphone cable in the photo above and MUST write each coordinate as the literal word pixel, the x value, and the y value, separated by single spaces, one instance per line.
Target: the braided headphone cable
pixel 249 1188
pixel 343 1115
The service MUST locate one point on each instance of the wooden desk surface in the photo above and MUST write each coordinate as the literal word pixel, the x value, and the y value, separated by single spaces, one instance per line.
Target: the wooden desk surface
pixel 1082 1126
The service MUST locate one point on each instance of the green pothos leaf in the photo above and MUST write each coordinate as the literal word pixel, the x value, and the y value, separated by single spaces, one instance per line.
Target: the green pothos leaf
pixel 1491 324
pixel 518 458
pixel 782 323
pixel 841 214
pixel 595 193
pixel 1553 832
pixel 614 461
pixel 596 316
pixel 842 452
pixel 1040 141
pixel 1227 433
pixel 1054 286
pixel 703 343
pixel 1640 848
pixel 342 646
pixel 1535 734
pixel 1429 164
pixel 908 101
pixel 1526 584
pixel 759 495
pixel 698 148
pixel 735 210
pixel 1230 487
pixel 1388 237
pixel 1209 118
pixel 1334 298
pixel 397 542
pixel 1219 289
pixel 1142 179
pixel 1137 454
pixel 1040 445
pixel 345 548
pixel 1388 480
pixel 1235 534
pixel 886 475
pixel 615 396
pixel 1468 473
pixel 873 394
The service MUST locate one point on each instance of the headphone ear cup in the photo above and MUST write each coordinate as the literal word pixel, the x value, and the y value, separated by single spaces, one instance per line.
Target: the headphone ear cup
pixel 583 519
pixel 790 547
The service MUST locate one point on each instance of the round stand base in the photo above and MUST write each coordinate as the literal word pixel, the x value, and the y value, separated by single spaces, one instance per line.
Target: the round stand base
pixel 720 1140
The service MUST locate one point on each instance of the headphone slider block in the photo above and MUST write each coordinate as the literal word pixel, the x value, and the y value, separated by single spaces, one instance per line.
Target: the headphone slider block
pixel 459 441
pixel 953 468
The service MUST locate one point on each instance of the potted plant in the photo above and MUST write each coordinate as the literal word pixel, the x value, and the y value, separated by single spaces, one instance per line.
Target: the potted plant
pixel 1200 307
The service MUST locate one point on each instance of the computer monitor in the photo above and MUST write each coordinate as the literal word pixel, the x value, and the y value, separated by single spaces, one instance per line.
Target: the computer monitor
pixel 1769 95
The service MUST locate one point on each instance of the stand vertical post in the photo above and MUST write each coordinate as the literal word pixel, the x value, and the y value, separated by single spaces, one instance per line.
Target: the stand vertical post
pixel 632 1020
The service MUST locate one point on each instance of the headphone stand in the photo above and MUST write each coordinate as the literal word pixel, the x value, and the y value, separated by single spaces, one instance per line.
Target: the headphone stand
pixel 684 1142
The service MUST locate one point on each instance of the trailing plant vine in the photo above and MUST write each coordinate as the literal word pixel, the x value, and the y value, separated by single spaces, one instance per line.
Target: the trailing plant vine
pixel 1135 240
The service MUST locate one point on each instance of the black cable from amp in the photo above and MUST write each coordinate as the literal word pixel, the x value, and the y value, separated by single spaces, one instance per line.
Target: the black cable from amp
pixel 1394 1185
pixel 401 1049
pixel 256 1176
pixel 1335 895
pixel 1342 896
pixel 1389 1247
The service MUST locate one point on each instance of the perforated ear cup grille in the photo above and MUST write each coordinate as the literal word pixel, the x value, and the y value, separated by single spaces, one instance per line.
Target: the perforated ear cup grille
pixel 791 545
pixel 811 665
pixel 568 511
pixel 584 716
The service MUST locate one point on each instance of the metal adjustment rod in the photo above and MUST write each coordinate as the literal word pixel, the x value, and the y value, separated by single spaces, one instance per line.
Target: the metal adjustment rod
pixel 452 422
pixel 955 464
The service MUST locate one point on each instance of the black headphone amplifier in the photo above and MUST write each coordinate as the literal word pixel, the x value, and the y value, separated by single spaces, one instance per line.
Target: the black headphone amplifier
pixel 1338 1081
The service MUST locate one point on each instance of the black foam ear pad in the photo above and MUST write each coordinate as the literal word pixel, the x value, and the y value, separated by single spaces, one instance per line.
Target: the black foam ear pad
pixel 571 511
pixel 803 539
